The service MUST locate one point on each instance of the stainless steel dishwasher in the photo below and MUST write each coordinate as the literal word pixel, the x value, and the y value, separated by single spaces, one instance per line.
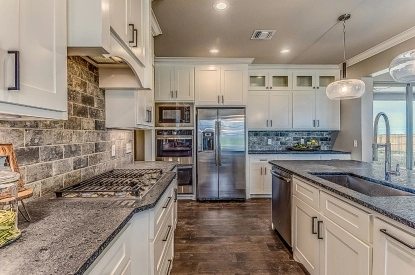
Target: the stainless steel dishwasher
pixel 281 203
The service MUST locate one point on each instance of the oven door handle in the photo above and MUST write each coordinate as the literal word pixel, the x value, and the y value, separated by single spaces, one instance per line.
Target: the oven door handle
pixel 280 176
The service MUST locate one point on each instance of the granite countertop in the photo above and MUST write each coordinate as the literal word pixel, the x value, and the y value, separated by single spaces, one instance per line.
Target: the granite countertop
pixel 398 208
pixel 67 235
pixel 253 152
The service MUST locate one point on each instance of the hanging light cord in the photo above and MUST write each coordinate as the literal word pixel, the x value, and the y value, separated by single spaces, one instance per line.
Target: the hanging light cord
pixel 344 40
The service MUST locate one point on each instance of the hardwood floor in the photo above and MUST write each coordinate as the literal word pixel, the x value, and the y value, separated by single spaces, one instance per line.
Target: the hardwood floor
pixel 229 238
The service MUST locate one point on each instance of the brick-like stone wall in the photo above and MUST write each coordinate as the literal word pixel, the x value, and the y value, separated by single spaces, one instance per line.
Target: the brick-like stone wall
pixel 57 153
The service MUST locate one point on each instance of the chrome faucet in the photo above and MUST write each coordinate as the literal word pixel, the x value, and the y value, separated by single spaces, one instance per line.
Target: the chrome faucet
pixel 387 145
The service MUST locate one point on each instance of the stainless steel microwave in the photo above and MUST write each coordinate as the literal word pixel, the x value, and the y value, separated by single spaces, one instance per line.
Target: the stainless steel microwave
pixel 174 115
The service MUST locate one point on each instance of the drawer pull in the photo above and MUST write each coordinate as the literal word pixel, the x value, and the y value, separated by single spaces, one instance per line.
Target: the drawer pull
pixel 169 267
pixel 175 194
pixel 396 239
pixel 313 219
pixel 318 230
pixel 167 234
pixel 167 202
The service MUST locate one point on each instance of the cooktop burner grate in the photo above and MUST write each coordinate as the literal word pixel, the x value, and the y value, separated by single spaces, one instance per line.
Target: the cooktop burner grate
pixel 117 182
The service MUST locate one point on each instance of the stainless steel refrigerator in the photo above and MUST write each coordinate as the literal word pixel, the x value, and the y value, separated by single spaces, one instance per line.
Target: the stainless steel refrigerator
pixel 220 154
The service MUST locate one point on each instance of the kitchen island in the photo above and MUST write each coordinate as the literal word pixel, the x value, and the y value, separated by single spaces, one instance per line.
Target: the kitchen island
pixel 336 230
pixel 67 235
pixel 398 208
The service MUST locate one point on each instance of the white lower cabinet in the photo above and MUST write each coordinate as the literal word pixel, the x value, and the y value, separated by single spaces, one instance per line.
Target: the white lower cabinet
pixel 322 245
pixel 145 245
pixel 260 178
pixel 393 249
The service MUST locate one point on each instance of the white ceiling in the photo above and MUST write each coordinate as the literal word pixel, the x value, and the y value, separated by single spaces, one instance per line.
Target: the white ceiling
pixel 308 27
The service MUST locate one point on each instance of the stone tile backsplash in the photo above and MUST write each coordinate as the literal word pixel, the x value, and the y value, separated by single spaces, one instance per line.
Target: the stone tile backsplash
pixel 56 153
pixel 258 140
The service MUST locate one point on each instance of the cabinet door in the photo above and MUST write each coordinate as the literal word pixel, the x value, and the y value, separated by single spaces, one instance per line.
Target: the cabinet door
pixel 119 19
pixel 256 172
pixel 38 31
pixel 280 110
pixel 304 80
pixel 327 112
pixel 324 78
pixel 305 243
pixel 304 109
pixel 164 85
pixel 257 110
pixel 267 178
pixel 184 83
pixel 341 253
pixel 233 87
pixel 135 17
pixel 207 85
pixel 258 80
pixel 280 80
pixel 390 256
pixel 142 114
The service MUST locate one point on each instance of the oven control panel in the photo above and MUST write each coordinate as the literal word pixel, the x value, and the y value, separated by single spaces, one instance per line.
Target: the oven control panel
pixel 174 132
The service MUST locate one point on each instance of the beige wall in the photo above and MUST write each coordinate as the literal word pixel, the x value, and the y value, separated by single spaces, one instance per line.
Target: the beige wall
pixel 357 114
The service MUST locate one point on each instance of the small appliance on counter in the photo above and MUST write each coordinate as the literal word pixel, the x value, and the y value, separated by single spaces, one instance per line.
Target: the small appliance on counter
pixel 9 231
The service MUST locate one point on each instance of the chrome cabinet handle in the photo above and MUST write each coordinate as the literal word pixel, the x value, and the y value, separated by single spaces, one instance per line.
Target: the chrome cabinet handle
pixel 167 202
pixel 261 170
pixel 270 87
pixel 314 123
pixel 271 122
pixel 167 234
pixel 318 230
pixel 318 123
pixel 176 94
pixel 171 94
pixel 267 122
pixel 16 71
pixel 318 87
pixel 265 169
pixel 266 87
pixel 218 99
pixel 396 239
pixel 223 100
pixel 175 194
pixel 135 36
pixel 313 226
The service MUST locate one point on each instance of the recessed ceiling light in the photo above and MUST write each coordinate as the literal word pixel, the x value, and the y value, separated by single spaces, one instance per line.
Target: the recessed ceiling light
pixel 213 50
pixel 220 5
pixel 285 51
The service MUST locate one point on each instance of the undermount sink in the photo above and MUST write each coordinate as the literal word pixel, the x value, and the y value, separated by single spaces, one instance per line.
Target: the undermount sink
pixel 361 185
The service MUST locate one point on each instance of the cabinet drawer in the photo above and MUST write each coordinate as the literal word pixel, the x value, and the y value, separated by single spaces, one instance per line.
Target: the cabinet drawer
pixel 348 217
pixel 306 192
pixel 168 259
pixel 160 211
pixel 116 259
pixel 161 243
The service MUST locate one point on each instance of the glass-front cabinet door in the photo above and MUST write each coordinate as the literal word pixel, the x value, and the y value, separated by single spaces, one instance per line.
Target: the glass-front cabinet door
pixel 305 80
pixel 269 80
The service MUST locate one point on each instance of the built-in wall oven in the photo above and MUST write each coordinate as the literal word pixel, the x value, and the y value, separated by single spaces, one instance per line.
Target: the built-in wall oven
pixel 174 114
pixel 177 145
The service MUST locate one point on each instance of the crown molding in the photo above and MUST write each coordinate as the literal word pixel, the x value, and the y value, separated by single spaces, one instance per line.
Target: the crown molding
pixel 155 27
pixel 203 60
pixel 293 66
pixel 396 40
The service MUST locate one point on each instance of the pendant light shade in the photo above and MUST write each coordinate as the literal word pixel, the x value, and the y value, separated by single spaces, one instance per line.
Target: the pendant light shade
pixel 402 67
pixel 345 88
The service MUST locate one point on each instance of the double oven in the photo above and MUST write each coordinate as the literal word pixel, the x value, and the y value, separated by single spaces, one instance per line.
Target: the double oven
pixel 175 141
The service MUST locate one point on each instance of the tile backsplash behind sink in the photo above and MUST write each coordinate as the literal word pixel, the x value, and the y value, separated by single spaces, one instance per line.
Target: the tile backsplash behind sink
pixel 56 153
pixel 280 140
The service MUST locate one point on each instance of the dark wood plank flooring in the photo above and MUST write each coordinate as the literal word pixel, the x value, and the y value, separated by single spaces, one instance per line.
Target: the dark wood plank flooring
pixel 229 238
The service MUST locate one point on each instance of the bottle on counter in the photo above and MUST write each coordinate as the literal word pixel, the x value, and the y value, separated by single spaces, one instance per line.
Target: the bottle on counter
pixel 9 231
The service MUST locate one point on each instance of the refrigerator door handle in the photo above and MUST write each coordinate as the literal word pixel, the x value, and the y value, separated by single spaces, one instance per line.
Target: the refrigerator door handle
pixel 216 144
pixel 219 146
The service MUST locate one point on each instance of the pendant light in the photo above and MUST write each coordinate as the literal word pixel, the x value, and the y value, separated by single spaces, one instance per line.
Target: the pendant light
pixel 345 88
pixel 402 67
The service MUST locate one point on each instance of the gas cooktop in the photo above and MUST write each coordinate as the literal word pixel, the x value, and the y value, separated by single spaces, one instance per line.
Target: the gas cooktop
pixel 134 183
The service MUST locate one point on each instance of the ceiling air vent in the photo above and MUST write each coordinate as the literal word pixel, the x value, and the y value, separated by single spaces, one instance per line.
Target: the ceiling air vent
pixel 263 34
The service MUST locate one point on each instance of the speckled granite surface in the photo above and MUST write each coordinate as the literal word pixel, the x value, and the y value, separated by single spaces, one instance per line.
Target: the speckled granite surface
pixel 253 152
pixel 398 208
pixel 67 235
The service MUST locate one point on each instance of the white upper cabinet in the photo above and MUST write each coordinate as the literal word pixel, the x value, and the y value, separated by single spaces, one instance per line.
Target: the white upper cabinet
pixel 37 31
pixel 314 79
pixel 119 19
pixel 269 110
pixel 174 83
pixel 221 85
pixel 270 79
